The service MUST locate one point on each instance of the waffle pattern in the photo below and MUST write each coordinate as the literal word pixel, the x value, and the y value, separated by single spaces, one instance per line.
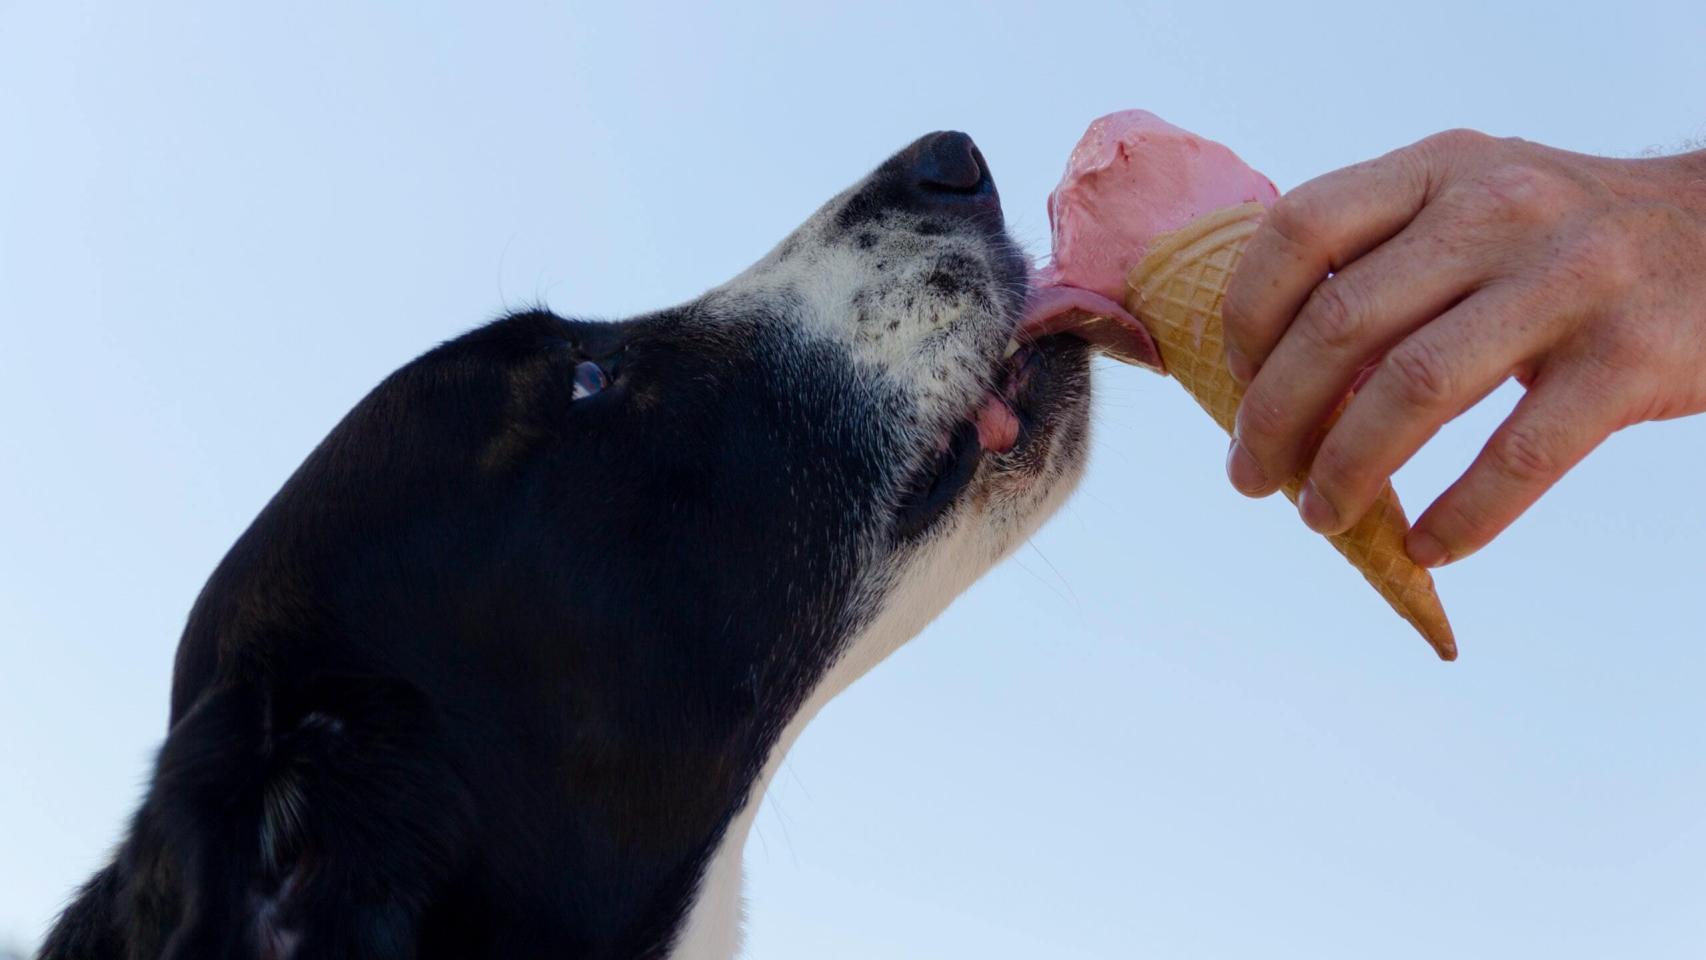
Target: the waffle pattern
pixel 1177 291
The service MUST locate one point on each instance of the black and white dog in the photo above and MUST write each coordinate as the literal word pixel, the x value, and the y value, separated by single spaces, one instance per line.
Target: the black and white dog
pixel 505 667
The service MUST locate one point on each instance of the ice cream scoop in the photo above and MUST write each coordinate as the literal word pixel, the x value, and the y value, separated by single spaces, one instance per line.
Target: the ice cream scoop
pixel 1133 177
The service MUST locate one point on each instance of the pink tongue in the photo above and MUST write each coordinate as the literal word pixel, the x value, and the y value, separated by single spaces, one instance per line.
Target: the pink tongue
pixel 997 426
pixel 1054 308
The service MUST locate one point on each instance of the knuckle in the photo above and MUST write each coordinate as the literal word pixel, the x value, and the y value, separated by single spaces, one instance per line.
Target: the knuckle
pixel 1297 219
pixel 1420 373
pixel 1602 253
pixel 1333 473
pixel 1334 316
pixel 1517 191
pixel 1525 453
pixel 1449 148
pixel 1260 422
pixel 1235 314
pixel 1460 522
pixel 1628 347
pixel 1456 139
pixel 1620 396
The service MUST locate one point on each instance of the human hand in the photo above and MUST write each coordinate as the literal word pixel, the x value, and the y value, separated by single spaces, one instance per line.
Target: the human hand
pixel 1456 263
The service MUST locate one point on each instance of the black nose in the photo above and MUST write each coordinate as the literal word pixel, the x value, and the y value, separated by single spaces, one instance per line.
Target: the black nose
pixel 948 162
pixel 945 172
pixel 941 176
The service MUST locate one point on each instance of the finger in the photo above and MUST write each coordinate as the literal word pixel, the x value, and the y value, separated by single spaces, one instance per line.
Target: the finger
pixel 1347 323
pixel 1555 425
pixel 1315 229
pixel 1434 374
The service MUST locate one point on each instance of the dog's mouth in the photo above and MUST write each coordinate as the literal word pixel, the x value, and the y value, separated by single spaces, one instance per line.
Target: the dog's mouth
pixel 1058 311
pixel 1013 411
pixel 1009 419
pixel 1002 418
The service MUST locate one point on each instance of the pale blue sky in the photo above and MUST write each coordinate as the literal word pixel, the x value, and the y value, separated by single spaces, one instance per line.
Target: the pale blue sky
pixel 1178 726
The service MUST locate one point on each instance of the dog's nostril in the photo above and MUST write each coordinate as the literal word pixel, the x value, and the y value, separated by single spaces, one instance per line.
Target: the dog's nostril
pixel 949 162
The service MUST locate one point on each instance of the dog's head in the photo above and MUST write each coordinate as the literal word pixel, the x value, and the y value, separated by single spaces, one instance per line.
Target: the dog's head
pixel 856 413
pixel 839 440
pixel 908 297
pixel 631 557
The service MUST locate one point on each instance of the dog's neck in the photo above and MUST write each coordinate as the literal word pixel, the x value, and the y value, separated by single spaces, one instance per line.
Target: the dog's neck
pixel 712 928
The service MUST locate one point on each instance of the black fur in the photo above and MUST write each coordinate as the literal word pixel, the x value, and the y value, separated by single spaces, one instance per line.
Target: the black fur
pixel 592 677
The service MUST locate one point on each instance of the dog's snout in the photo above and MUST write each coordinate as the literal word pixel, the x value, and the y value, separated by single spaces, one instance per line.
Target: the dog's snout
pixel 948 163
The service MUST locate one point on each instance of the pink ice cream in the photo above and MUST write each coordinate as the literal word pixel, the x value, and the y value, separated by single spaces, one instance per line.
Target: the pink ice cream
pixel 1132 177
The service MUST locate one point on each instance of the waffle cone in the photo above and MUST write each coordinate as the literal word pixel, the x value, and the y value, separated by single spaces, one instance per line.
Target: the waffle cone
pixel 1177 291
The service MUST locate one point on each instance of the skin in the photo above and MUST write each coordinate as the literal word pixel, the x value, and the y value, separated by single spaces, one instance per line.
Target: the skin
pixel 1428 277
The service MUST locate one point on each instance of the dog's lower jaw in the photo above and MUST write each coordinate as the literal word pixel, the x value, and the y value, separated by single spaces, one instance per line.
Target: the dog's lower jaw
pixel 913 593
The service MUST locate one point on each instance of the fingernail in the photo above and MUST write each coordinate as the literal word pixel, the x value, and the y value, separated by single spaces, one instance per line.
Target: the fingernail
pixel 1244 472
pixel 1425 550
pixel 1318 515
pixel 1240 366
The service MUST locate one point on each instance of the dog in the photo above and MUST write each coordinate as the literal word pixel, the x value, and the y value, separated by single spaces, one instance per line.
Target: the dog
pixel 503 669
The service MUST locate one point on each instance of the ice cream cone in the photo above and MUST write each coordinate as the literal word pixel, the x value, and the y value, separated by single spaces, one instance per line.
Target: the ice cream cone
pixel 1176 291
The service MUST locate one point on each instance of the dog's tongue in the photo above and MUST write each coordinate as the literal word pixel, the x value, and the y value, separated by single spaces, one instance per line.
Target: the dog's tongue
pixel 1131 178
pixel 997 425
pixel 1053 308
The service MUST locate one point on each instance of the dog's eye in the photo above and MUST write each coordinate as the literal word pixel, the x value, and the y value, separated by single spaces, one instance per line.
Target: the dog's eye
pixel 589 379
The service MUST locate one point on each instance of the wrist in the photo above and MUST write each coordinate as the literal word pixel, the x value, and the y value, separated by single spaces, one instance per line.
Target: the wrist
pixel 1691 181
pixel 1678 180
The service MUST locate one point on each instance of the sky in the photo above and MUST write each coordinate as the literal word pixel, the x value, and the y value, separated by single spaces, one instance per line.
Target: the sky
pixel 1174 725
